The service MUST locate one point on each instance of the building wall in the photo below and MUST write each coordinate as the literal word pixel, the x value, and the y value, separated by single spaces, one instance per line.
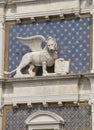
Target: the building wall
pixel 76 117
pixel 73 37
pixel 72 23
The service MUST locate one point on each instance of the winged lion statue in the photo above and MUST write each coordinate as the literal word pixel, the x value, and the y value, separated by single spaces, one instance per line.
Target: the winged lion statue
pixel 38 56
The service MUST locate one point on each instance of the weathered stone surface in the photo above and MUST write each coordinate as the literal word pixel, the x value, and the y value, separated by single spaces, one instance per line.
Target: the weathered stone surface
pixel 61 66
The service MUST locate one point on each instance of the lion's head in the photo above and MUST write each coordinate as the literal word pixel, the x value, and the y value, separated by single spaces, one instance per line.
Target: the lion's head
pixel 51 44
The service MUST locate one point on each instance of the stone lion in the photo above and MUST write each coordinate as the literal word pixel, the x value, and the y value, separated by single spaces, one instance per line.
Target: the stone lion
pixel 38 57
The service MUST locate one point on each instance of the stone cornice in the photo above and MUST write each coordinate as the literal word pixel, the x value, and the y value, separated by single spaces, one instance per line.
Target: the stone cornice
pixel 3 2
pixel 44 89
pixel 42 13
pixel 46 78
pixel 47 13
pixel 22 1
pixel 42 78
pixel 89 75
pixel 31 14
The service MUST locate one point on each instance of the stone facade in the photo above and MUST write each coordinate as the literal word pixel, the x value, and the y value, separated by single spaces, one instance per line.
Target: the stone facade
pixel 76 117
pixel 67 101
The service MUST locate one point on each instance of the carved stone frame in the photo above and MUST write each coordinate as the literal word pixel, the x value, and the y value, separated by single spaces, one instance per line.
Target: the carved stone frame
pixel 51 121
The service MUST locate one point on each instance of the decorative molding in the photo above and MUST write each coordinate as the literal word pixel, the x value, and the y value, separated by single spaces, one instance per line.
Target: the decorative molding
pixel 44 100
pixel 29 105
pixel 46 14
pixel 2 45
pixel 44 119
pixel 40 99
pixel 60 12
pixel 18 20
pixel 76 103
pixel 21 1
pixel 43 78
pixel 60 103
pixel 32 19
pixel 45 83
pixel 53 116
pixel 3 2
pixel 2 22
pixel 42 14
pixel 84 97
pixel 61 16
pixel 45 104
pixel 91 101
pixel 47 18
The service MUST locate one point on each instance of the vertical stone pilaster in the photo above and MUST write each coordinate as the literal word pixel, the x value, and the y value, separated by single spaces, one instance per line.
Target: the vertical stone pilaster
pixel 91 101
pixel 2 45
pixel 79 3
pixel 2 51
pixel 1 105
pixel 92 114
pixel 92 2
pixel 0 119
pixel 93 46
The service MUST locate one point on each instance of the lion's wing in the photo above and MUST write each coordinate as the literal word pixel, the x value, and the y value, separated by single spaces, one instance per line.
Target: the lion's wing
pixel 34 42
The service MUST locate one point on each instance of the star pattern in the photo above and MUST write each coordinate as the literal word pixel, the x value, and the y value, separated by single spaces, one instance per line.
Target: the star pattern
pixel 73 39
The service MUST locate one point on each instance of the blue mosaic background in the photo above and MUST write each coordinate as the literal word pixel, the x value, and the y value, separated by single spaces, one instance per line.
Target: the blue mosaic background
pixel 77 118
pixel 73 38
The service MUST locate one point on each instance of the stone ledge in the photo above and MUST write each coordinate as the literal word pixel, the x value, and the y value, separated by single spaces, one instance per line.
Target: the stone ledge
pixel 42 78
pixel 89 75
pixel 40 89
pixel 45 78
pixel 22 1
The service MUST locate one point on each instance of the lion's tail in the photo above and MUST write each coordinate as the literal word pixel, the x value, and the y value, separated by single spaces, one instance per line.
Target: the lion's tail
pixel 5 72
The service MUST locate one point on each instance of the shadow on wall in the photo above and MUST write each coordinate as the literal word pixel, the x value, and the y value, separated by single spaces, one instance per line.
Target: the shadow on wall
pixel 84 88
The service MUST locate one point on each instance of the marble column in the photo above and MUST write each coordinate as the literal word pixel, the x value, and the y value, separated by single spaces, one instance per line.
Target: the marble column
pixel 2 45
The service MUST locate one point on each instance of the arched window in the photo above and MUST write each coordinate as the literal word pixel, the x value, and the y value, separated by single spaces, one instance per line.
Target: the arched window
pixel 44 120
